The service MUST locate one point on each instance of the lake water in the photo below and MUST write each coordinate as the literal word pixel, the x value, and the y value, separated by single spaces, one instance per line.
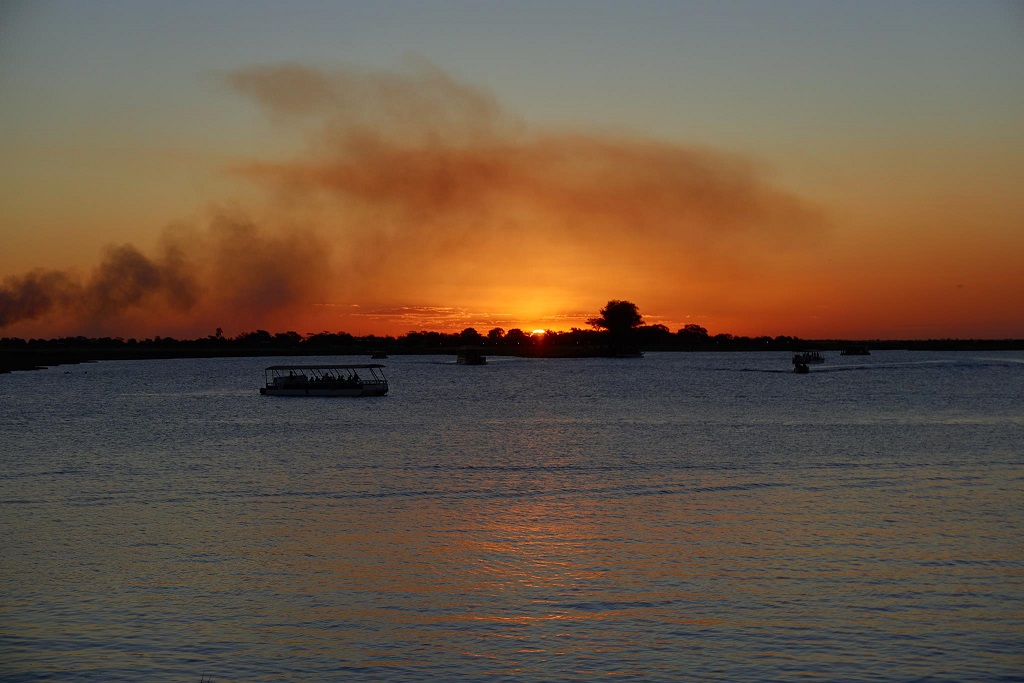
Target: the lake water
pixel 704 516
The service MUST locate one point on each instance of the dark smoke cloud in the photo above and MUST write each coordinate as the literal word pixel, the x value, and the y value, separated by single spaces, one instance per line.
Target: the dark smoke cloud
pixel 229 272
pixel 125 278
pixel 36 294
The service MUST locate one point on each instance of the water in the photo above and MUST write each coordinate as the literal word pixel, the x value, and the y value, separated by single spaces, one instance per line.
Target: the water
pixel 706 516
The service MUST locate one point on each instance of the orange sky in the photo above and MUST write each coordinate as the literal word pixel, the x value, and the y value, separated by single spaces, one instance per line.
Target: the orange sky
pixel 385 201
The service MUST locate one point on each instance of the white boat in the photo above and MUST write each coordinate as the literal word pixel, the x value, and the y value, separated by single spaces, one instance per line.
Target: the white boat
pixel 325 380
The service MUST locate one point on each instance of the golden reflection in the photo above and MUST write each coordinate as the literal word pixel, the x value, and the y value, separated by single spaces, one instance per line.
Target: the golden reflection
pixel 539 556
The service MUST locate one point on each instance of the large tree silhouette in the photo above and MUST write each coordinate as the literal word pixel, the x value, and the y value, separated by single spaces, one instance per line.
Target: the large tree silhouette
pixel 618 317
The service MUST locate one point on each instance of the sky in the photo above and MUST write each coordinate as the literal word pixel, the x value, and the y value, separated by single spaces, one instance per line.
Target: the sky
pixel 818 169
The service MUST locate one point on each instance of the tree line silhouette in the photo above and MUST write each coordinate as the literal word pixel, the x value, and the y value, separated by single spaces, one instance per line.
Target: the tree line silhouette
pixel 617 330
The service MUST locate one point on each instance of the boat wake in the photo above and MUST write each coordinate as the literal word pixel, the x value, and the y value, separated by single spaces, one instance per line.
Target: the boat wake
pixel 922 364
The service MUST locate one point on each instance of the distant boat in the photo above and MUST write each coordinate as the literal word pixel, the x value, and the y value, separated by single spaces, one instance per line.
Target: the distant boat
pixel 325 380
pixel 855 351
pixel 470 357
pixel 802 360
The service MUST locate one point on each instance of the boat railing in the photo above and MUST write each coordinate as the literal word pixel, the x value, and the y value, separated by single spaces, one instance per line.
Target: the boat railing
pixel 331 375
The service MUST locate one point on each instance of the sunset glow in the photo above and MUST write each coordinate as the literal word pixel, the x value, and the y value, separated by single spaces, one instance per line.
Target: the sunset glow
pixel 327 186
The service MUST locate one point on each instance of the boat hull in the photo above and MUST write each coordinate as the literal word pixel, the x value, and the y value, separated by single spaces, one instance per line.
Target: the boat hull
pixel 325 391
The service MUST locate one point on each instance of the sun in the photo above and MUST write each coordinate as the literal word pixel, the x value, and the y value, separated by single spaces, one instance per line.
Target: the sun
pixel 537 333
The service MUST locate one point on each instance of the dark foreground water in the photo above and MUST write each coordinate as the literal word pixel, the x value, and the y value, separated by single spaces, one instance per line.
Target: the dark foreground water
pixel 704 516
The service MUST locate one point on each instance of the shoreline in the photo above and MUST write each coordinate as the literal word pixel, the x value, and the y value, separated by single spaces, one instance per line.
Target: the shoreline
pixel 34 358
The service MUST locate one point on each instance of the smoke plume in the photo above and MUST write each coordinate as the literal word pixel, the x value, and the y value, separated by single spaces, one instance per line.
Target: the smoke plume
pixel 228 272
pixel 417 189
pixel 449 189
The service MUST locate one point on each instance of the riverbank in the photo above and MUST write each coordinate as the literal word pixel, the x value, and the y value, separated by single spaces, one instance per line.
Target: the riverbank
pixel 40 354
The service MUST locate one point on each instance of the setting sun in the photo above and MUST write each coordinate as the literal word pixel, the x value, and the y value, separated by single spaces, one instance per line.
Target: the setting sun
pixel 537 333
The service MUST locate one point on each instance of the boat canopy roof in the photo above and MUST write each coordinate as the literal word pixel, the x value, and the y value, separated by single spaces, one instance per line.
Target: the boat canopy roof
pixel 324 367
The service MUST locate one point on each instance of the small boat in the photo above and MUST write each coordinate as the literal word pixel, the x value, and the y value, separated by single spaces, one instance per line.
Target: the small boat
pixel 809 358
pixel 325 380
pixel 470 357
pixel 855 351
